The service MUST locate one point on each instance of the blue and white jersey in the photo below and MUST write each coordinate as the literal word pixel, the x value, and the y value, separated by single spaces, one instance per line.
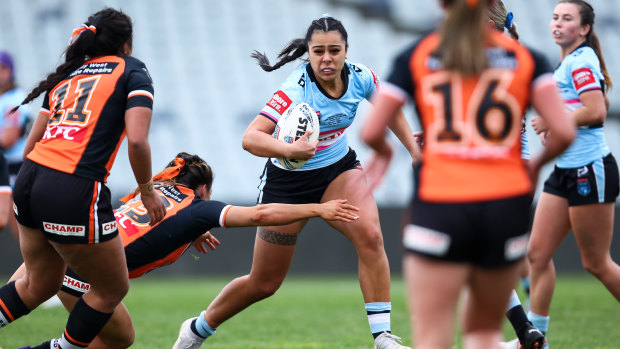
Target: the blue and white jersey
pixel 8 101
pixel 579 72
pixel 335 114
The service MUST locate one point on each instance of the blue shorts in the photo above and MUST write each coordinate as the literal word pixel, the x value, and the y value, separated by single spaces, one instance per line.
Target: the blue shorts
pixel 595 183
pixel 67 208
pixel 301 187
pixel 488 234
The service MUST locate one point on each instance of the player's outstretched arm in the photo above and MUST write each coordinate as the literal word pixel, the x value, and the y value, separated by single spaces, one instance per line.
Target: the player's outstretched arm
pixel 279 214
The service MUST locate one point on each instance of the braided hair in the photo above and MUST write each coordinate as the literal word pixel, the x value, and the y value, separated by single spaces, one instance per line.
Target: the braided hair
pixel 297 47
pixel 113 30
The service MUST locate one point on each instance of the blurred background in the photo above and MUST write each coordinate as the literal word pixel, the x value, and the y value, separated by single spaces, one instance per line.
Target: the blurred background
pixel 208 89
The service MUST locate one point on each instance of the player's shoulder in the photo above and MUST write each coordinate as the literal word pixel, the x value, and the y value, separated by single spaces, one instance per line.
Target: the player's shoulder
pixel 583 55
pixel 135 64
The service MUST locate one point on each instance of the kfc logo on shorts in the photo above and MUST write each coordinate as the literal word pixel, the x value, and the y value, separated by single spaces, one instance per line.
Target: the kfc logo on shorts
pixel 64 229
pixel 583 77
pixel 109 227
pixel 280 102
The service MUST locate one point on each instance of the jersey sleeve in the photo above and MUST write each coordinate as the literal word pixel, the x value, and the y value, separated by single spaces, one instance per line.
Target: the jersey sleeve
pixel 45 106
pixel 400 80
pixel 584 71
pixel 369 79
pixel 139 84
pixel 210 213
pixel 290 93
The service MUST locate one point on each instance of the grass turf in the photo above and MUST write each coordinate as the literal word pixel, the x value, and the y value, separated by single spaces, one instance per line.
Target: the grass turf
pixel 314 312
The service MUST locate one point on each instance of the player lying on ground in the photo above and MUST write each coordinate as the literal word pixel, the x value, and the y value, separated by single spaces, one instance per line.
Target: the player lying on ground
pixel 185 188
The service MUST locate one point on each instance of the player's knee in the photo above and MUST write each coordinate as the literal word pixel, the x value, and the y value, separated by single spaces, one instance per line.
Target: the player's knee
pixel 536 260
pixel 37 293
pixel 111 297
pixel 594 266
pixel 370 242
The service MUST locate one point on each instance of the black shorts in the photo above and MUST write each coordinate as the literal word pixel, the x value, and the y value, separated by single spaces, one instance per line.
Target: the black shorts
pixel 73 284
pixel 301 187
pixel 488 234
pixel 67 208
pixel 595 183
pixel 5 186
pixel 13 171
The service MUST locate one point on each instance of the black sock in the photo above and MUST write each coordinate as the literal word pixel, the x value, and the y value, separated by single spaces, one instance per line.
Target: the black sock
pixel 11 305
pixel 519 321
pixel 84 324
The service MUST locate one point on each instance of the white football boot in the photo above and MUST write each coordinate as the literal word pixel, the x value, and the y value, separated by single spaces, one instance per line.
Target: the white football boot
pixel 187 338
pixel 389 341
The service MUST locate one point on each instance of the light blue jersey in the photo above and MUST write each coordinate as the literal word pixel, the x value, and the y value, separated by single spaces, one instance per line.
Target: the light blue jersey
pixel 579 72
pixel 8 101
pixel 335 114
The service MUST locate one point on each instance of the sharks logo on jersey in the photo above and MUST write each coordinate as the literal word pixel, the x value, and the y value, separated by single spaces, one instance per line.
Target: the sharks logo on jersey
pixel 335 114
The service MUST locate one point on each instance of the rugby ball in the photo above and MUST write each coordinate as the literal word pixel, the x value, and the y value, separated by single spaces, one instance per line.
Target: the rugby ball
pixel 294 123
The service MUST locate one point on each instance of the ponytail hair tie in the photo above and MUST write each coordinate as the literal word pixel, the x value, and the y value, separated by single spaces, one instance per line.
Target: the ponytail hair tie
pixel 167 173
pixel 171 171
pixel 77 31
pixel 472 3
pixel 325 16
pixel 509 18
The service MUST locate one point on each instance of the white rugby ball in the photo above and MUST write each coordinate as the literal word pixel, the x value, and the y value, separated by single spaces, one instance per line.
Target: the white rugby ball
pixel 294 123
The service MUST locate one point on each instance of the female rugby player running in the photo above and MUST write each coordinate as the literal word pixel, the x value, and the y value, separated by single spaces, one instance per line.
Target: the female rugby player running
pixel 334 88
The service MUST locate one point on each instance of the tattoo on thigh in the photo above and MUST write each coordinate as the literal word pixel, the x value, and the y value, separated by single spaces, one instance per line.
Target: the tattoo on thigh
pixel 277 238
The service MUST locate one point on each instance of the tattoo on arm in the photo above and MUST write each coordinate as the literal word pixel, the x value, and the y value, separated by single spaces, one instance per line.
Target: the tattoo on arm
pixel 277 238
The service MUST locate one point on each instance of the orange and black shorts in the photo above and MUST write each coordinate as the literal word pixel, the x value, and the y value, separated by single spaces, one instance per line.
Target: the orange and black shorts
pixel 487 234
pixel 67 208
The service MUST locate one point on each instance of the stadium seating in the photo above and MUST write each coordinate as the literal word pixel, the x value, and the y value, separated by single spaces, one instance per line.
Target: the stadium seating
pixel 208 89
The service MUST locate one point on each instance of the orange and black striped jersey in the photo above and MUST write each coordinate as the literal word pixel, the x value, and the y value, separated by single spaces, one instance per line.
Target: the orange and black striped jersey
pixel 86 111
pixel 187 218
pixel 471 125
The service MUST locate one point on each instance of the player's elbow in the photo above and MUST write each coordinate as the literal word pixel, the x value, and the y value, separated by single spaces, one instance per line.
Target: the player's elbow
pixel 246 144
pixel 599 115
pixel 259 216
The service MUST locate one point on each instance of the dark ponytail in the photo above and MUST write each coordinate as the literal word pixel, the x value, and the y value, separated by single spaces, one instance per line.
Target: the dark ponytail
pixel 113 29
pixel 297 47
pixel 194 173
pixel 586 12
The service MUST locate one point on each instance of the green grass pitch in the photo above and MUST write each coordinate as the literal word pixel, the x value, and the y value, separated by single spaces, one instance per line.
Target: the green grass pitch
pixel 314 312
